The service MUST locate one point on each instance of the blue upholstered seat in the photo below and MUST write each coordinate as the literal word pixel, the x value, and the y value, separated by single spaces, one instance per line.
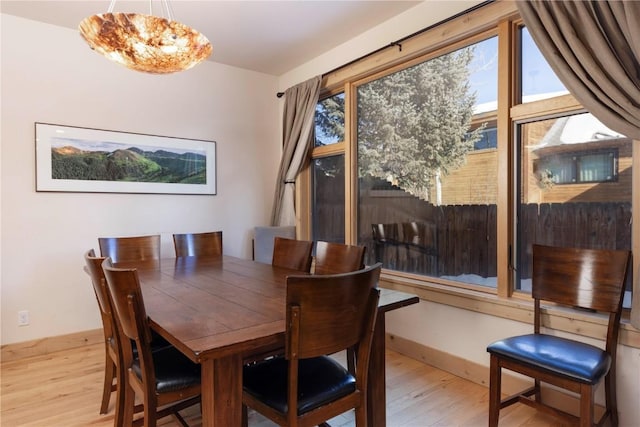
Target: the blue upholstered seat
pixel 572 359
pixel 591 279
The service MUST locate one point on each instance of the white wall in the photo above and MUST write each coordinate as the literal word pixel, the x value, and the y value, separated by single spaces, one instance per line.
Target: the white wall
pixel 49 74
pixel 451 330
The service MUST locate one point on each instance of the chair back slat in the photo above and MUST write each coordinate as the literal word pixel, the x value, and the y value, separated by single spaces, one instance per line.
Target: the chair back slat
pixel 292 254
pixel 331 311
pixel 335 258
pixel 138 251
pixel 587 278
pixel 198 244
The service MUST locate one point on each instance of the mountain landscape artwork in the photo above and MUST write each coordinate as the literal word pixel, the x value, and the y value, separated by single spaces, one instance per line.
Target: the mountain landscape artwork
pixel 70 158
pixel 119 162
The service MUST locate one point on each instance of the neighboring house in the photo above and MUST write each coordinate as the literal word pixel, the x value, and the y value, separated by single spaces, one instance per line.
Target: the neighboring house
pixel 571 159
pixel 578 159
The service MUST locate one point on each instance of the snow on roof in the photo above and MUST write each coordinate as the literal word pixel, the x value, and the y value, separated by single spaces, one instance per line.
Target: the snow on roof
pixel 577 129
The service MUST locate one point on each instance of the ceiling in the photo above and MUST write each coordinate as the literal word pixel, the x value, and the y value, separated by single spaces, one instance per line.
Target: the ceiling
pixel 268 36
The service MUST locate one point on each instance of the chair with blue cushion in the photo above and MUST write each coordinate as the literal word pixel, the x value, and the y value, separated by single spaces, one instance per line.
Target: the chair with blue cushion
pixel 578 279
pixel 325 314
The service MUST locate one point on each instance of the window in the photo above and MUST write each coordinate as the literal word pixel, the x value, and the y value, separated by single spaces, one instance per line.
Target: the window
pixel 537 80
pixel 456 161
pixel 579 167
pixel 329 120
pixel 328 172
pixel 486 138
pixel 416 136
pixel 595 210
pixel 328 199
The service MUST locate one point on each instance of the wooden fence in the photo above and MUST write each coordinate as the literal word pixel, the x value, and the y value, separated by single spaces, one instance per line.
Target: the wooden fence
pixel 411 235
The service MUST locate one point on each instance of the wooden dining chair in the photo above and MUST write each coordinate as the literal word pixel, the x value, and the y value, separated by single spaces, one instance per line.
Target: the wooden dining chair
pixel 591 279
pixel 165 380
pixel 113 356
pixel 93 268
pixel 138 251
pixel 198 244
pixel 334 258
pixel 292 254
pixel 324 314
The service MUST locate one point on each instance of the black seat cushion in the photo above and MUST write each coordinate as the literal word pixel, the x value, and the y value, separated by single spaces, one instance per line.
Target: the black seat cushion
pixel 174 371
pixel 320 380
pixel 572 359
pixel 157 343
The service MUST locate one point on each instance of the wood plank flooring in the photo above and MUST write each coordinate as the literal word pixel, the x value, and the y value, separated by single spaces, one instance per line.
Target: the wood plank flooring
pixel 64 389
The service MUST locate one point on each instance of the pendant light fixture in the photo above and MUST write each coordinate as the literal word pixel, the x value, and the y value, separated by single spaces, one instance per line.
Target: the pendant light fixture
pixel 147 43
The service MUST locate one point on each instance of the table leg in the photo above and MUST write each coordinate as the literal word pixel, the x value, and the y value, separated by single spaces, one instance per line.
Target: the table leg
pixel 376 392
pixel 222 392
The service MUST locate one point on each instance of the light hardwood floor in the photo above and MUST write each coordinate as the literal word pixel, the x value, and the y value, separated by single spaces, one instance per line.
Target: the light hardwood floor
pixel 64 389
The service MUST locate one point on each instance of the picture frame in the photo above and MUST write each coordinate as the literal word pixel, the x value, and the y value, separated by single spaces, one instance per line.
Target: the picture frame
pixel 79 159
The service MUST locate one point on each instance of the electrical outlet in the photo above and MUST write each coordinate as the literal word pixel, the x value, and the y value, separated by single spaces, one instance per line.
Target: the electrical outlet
pixel 23 318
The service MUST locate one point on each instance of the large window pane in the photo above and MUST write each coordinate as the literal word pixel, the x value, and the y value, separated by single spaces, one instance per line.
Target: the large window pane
pixel 428 167
pixel 537 79
pixel 329 120
pixel 575 188
pixel 328 199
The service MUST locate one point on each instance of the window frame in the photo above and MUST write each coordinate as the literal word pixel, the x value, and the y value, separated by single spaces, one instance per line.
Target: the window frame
pixel 495 18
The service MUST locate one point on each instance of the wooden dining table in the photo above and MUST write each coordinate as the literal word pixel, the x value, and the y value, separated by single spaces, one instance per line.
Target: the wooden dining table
pixel 223 311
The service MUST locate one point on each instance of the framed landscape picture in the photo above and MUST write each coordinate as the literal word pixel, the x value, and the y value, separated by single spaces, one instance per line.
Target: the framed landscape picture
pixel 101 161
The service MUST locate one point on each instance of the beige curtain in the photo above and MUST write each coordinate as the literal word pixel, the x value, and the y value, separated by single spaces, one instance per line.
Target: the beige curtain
pixel 594 49
pixel 298 125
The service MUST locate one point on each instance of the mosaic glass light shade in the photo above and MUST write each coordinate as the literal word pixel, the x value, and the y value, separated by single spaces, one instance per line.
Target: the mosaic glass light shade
pixel 146 43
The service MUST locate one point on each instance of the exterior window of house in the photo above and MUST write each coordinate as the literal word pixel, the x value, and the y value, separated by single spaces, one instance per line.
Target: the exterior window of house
pixel 487 138
pixel 579 167
pixel 427 171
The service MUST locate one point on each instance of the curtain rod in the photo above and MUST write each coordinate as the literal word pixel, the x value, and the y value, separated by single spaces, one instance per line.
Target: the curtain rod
pixel 399 41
